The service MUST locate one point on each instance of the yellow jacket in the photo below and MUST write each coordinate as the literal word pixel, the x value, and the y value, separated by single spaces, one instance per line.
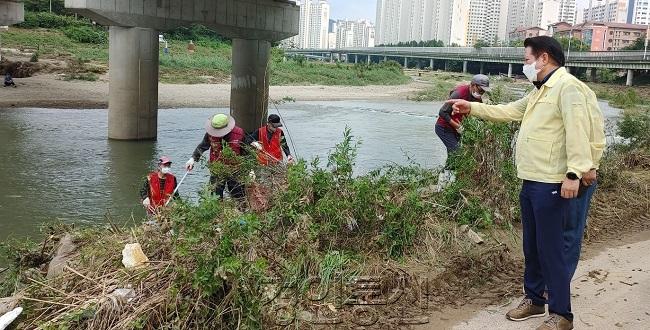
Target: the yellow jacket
pixel 562 128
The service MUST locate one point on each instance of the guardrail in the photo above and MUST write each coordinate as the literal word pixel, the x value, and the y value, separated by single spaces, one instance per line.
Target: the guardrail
pixel 482 53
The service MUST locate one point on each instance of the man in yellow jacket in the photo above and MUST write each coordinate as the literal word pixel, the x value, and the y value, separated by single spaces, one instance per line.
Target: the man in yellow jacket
pixel 560 143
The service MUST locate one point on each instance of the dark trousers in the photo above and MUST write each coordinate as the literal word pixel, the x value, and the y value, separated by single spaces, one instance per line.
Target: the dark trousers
pixel 574 228
pixel 449 137
pixel 235 189
pixel 543 215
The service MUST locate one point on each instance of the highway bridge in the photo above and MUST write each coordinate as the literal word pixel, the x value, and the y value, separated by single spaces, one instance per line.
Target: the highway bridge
pixel 621 60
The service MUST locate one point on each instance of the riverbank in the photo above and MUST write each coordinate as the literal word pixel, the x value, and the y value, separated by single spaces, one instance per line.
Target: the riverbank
pixel 51 91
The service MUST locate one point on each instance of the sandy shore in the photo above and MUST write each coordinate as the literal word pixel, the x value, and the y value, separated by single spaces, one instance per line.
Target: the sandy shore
pixel 48 91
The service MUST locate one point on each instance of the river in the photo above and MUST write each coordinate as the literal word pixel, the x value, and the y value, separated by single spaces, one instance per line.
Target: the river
pixel 59 165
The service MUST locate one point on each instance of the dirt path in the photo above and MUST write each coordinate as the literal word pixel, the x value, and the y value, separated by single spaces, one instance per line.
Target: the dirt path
pixel 610 290
pixel 49 91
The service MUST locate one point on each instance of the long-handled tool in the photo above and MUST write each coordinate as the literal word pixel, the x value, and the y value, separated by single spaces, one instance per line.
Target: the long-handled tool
pixel 177 186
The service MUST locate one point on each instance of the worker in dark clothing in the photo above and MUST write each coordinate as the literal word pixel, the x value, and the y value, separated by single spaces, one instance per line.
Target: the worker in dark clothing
pixel 449 127
pixel 159 187
pixel 270 142
pixel 221 130
pixel 9 81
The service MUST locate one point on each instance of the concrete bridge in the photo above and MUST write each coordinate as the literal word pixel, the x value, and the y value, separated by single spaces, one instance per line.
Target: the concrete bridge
pixel 625 60
pixel 11 12
pixel 133 53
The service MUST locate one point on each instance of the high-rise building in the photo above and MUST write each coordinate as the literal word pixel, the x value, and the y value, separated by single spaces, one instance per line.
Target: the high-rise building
pixel 641 12
pixel 459 22
pixel 546 13
pixel 606 11
pixel 567 11
pixel 354 34
pixel 314 25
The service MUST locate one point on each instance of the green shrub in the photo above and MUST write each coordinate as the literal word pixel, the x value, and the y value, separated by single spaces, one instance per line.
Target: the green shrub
pixel 49 20
pixel 86 34
pixel 34 57
pixel 636 128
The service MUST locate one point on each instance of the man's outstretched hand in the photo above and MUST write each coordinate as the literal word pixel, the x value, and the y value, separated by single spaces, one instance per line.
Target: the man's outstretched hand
pixel 459 106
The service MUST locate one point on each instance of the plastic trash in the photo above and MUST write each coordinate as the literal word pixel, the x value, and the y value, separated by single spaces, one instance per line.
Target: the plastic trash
pixel 133 256
pixel 7 319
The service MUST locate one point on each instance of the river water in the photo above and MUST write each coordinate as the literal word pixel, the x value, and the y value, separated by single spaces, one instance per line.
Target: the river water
pixel 59 165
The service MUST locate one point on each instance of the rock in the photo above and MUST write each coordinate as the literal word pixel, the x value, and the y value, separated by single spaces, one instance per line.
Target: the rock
pixel 132 256
pixel 8 318
pixel 64 250
pixel 8 304
pixel 119 298
pixel 472 235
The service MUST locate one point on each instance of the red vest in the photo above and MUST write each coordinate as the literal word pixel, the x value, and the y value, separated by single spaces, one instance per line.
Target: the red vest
pixel 234 140
pixel 272 150
pixel 465 94
pixel 159 198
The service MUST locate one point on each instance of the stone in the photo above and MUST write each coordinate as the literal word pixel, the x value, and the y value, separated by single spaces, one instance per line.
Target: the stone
pixel 61 257
pixel 133 256
pixel 8 304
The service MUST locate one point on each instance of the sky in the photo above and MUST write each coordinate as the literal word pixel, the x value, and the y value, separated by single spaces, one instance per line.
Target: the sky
pixel 353 9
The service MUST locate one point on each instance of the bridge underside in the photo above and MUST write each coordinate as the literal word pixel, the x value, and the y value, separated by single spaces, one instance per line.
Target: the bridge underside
pixel 11 12
pixel 134 49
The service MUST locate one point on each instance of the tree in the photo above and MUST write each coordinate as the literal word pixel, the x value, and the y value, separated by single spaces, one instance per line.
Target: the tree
pixel 44 5
pixel 639 44
pixel 516 43
pixel 481 43
pixel 577 45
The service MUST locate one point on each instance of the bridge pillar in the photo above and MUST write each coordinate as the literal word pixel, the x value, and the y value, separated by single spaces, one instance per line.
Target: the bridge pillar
pixel 446 65
pixel 331 57
pixel 568 69
pixel 482 68
pixel 249 93
pixel 406 63
pixel 630 77
pixel 356 59
pixel 593 73
pixel 510 70
pixel 385 58
pixel 464 66
pixel 133 84
pixel 431 64
pixel 369 59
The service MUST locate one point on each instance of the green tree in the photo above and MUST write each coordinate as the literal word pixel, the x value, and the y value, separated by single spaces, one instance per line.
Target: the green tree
pixel 44 5
pixel 481 43
pixel 577 45
pixel 516 43
pixel 639 44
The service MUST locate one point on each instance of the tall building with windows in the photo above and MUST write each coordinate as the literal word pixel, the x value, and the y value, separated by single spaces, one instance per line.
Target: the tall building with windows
pixel 459 22
pixel 487 21
pixel 614 11
pixel 314 25
pixel 354 34
pixel 641 12
pixel 567 11
pixel 539 13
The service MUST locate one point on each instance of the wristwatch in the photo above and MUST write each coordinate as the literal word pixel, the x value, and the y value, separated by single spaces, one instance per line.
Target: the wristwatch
pixel 572 176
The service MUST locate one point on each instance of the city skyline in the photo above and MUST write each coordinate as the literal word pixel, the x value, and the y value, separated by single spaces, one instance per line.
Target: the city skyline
pixel 366 9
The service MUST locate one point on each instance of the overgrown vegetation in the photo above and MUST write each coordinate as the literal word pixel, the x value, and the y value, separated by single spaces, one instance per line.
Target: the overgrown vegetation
pixel 58 36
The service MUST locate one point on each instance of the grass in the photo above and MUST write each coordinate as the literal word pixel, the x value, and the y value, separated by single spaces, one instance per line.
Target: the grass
pixel 210 63
pixel 294 72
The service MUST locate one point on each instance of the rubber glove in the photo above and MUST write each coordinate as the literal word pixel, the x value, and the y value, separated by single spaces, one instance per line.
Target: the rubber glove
pixel 190 164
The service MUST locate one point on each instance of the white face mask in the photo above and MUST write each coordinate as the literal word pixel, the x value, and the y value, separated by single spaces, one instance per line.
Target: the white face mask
pixel 531 71
pixel 166 170
pixel 477 95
